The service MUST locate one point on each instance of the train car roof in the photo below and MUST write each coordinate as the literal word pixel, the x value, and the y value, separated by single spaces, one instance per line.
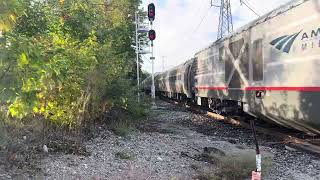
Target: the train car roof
pixel 178 66
pixel 280 10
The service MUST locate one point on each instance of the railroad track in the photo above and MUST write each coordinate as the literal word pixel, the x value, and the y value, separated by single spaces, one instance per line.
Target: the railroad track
pixel 292 139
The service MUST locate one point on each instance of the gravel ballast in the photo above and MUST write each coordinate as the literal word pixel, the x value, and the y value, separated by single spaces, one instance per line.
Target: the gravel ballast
pixel 164 147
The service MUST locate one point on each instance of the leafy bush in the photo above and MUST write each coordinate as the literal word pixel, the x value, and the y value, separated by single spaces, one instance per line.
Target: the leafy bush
pixel 65 60
pixel 123 110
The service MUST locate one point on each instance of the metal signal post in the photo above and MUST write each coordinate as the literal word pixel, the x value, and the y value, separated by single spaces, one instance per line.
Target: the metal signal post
pixel 152 37
pixel 140 28
pixel 152 58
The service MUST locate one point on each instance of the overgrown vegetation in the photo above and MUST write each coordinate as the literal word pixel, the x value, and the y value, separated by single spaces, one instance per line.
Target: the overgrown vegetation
pixel 65 66
pixel 122 121
pixel 67 61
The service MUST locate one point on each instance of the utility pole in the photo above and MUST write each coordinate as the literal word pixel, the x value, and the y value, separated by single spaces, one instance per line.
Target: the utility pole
pixel 225 18
pixel 163 63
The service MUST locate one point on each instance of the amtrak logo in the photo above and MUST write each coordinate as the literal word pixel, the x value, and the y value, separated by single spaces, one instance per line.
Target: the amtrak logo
pixel 284 43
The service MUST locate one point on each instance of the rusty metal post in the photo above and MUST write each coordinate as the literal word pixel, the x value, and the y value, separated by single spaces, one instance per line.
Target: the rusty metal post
pixel 256 175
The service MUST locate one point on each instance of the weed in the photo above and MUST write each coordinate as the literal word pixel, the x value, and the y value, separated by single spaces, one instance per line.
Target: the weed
pixel 238 167
pixel 120 127
pixel 233 167
pixel 124 120
pixel 123 155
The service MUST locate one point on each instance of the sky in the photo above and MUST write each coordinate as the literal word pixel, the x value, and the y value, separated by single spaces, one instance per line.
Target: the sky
pixel 184 27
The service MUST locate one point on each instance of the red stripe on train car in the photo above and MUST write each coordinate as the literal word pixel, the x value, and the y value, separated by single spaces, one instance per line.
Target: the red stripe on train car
pixel 303 89
pixel 211 88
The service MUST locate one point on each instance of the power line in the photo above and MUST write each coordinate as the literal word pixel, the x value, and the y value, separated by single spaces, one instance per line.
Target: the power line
pixel 249 2
pixel 202 18
pixel 200 8
pixel 201 21
pixel 187 38
pixel 246 4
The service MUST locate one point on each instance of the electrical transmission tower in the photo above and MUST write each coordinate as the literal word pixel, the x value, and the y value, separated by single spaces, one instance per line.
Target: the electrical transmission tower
pixel 225 19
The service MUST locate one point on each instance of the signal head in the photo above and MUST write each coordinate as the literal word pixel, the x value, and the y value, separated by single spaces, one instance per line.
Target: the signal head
pixel 151 12
pixel 152 35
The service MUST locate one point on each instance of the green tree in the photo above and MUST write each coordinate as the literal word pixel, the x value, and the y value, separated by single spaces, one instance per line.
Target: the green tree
pixel 66 59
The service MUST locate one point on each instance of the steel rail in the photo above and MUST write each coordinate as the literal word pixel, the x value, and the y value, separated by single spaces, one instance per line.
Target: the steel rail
pixel 296 143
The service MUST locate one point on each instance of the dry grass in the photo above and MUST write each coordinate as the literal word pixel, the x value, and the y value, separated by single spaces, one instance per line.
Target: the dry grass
pixel 232 167
pixel 21 144
pixel 121 127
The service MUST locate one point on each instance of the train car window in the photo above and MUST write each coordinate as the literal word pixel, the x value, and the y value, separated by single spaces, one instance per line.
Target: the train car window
pixel 228 67
pixel 221 51
pixel 244 62
pixel 195 66
pixel 235 48
pixel 221 55
pixel 257 60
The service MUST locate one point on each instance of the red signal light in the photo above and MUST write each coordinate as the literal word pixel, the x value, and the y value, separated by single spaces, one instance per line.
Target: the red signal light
pixel 151 12
pixel 152 35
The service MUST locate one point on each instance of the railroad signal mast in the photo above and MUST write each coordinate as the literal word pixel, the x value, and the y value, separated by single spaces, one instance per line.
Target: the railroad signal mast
pixel 152 37
pixel 140 28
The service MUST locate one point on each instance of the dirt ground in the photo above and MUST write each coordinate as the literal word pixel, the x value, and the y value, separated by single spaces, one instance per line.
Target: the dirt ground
pixel 172 143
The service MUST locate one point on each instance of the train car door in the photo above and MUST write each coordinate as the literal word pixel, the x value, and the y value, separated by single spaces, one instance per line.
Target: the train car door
pixel 191 77
pixel 254 91
pixel 257 67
